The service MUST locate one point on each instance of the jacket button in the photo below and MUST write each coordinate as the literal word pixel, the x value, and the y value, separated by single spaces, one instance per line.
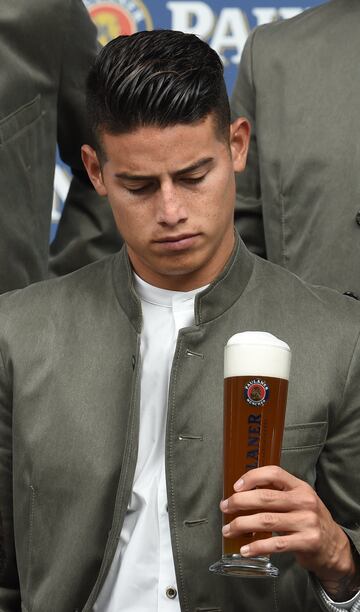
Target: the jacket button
pixel 357 218
pixel 171 592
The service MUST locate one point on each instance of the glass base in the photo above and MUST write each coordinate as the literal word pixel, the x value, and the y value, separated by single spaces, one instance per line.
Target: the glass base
pixel 245 567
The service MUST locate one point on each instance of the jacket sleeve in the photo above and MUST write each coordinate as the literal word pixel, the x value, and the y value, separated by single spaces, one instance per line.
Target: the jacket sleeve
pixel 338 470
pixel 86 230
pixel 248 209
pixel 9 582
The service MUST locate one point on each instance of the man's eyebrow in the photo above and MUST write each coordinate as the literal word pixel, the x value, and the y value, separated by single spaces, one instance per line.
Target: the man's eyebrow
pixel 197 166
pixel 134 177
pixel 145 177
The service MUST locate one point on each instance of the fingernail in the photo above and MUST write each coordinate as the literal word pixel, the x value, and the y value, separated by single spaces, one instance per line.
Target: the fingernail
pixel 226 529
pixel 244 551
pixel 224 504
pixel 238 484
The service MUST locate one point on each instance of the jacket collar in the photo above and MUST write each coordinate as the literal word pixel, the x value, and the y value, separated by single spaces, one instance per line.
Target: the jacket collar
pixel 221 294
pixel 218 297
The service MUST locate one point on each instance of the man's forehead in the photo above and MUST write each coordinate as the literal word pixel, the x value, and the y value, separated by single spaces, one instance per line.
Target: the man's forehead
pixel 175 147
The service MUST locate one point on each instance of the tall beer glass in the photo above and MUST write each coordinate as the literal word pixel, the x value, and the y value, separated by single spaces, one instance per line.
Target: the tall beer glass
pixel 256 374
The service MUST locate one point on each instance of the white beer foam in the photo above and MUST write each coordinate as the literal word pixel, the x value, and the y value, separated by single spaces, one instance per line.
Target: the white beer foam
pixel 255 353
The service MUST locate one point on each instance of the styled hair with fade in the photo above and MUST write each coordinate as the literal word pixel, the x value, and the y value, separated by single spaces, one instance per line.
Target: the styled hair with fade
pixel 158 78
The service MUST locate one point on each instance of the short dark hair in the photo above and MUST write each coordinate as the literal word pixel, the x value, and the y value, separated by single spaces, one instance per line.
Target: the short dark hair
pixel 157 78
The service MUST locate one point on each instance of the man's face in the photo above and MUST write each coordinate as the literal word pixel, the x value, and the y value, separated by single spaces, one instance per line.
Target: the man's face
pixel 172 193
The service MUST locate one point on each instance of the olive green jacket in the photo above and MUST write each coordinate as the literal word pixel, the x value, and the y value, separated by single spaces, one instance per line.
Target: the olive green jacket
pixel 298 201
pixel 69 416
pixel 46 49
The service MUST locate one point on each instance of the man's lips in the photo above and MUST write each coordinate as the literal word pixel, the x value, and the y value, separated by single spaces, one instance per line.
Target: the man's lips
pixel 177 243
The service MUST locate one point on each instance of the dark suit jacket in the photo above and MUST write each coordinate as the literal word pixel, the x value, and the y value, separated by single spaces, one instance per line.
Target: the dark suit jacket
pixel 298 202
pixel 46 49
pixel 69 415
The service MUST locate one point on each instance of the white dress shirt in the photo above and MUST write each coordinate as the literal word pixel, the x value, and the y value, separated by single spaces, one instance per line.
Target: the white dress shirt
pixel 142 574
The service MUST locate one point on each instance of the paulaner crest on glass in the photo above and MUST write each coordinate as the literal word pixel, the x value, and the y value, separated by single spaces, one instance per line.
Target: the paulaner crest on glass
pixel 256 392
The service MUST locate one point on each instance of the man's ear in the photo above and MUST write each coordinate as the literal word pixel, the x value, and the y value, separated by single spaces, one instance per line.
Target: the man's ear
pixel 93 168
pixel 239 142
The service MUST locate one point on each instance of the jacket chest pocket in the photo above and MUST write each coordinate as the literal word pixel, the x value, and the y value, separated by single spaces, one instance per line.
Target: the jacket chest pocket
pixel 23 146
pixel 20 120
pixel 302 445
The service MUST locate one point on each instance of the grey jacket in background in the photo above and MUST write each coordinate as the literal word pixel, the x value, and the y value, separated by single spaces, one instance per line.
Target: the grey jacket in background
pixel 298 201
pixel 46 49
pixel 69 411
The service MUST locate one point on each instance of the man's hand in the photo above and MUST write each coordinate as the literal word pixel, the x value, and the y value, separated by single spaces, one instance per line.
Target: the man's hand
pixel 271 499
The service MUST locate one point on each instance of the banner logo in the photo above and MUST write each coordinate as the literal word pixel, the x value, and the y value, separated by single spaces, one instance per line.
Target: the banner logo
pixel 118 17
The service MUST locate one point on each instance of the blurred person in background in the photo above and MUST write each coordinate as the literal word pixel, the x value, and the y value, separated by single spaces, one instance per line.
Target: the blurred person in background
pixel 46 49
pixel 298 201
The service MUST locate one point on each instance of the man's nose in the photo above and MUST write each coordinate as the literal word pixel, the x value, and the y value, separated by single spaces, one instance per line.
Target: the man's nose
pixel 171 208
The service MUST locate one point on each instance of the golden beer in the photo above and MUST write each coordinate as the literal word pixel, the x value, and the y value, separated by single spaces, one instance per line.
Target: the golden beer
pixel 252 435
pixel 256 374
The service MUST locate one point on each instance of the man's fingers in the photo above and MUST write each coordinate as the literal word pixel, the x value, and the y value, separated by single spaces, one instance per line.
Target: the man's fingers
pixel 271 476
pixel 295 543
pixel 270 500
pixel 273 521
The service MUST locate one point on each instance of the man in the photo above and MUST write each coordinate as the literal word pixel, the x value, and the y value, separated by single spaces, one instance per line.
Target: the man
pixel 298 200
pixel 111 379
pixel 46 49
